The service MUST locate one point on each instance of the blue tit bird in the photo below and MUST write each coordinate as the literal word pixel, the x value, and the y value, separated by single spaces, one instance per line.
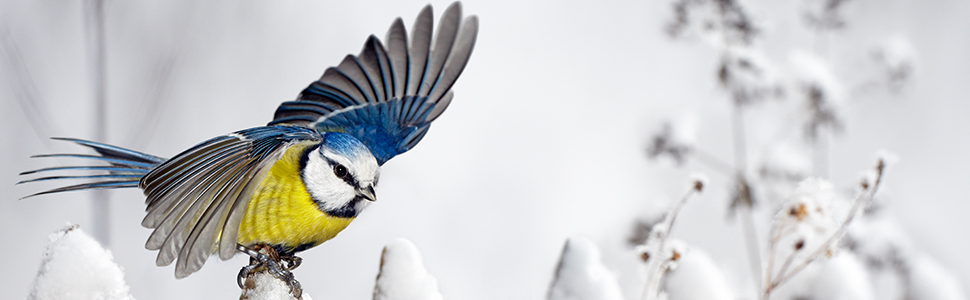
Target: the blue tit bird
pixel 301 179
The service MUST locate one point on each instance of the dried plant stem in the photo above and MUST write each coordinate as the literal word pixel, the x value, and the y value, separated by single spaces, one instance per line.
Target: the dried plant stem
pixel 657 266
pixel 740 165
pixel 96 43
pixel 712 161
pixel 820 154
pixel 751 241
pixel 740 150
pixel 788 262
pixel 863 200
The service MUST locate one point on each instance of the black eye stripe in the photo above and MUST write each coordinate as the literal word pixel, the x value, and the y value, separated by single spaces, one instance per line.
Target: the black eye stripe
pixel 348 178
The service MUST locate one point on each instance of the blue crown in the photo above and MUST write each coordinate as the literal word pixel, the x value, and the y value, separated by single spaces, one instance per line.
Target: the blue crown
pixel 344 144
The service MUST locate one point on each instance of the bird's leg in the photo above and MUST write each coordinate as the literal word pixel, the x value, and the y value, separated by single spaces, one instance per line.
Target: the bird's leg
pixel 292 261
pixel 263 257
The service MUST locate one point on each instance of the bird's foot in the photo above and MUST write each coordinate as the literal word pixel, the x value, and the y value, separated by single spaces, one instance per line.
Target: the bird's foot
pixel 264 258
pixel 292 261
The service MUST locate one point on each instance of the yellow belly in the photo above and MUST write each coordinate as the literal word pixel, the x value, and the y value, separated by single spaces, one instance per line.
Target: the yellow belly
pixel 281 211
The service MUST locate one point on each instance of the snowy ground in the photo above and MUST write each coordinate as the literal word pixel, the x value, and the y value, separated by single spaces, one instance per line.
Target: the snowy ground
pixel 544 141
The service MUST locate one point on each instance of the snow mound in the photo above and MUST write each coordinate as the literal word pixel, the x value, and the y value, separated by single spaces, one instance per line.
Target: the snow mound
pixel 403 276
pixel 844 277
pixel 268 287
pixel 932 281
pixel 75 266
pixel 697 277
pixel 581 275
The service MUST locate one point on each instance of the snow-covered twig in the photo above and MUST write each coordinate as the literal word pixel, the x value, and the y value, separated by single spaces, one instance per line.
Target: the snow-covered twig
pixel 655 250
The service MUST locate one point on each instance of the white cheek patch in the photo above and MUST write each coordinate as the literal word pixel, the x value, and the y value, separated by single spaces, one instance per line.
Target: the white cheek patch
pixel 329 191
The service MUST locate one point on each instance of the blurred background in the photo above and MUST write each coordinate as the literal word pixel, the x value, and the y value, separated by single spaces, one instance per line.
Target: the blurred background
pixel 546 139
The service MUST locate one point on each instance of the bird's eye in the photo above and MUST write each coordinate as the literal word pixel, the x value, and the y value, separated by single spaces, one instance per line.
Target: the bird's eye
pixel 340 171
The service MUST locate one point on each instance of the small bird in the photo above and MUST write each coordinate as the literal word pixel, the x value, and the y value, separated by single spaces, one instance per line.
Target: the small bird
pixel 301 179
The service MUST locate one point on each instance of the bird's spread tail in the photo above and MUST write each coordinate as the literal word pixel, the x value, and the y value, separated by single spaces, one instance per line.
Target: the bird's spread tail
pixel 123 168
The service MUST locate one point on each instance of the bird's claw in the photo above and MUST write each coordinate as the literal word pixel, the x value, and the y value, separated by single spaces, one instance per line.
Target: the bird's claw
pixel 271 262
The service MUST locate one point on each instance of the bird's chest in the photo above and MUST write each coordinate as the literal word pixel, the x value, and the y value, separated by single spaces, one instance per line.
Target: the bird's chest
pixel 281 211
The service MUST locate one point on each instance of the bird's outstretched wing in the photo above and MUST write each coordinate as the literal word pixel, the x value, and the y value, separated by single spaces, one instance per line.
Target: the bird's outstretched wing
pixel 388 95
pixel 197 199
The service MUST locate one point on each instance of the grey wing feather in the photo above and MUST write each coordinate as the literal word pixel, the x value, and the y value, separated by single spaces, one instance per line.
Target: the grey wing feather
pixel 174 230
pixel 373 60
pixel 230 227
pixel 397 51
pixel 164 198
pixel 440 107
pixel 420 45
pixel 456 62
pixel 201 242
pixel 351 68
pixel 447 32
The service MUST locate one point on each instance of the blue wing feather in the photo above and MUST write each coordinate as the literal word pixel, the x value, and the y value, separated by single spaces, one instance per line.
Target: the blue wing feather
pixel 386 97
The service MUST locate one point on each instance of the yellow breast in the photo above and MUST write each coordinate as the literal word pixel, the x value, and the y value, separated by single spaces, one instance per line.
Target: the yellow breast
pixel 281 211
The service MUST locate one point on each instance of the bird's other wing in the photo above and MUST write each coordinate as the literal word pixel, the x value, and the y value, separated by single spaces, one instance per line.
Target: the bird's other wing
pixel 196 200
pixel 387 97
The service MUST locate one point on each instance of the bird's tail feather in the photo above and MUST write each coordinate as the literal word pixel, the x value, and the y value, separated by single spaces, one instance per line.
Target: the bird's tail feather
pixel 124 168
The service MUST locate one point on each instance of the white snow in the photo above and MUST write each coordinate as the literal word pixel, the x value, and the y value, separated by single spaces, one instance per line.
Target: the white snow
pixel 582 276
pixel 896 51
pixel 844 277
pixel 898 59
pixel 697 278
pixel 76 267
pixel 810 70
pixel 685 130
pixel 403 276
pixel 270 288
pixel 751 74
pixel 931 281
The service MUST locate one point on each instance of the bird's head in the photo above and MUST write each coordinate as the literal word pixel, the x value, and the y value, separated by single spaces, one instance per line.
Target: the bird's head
pixel 340 174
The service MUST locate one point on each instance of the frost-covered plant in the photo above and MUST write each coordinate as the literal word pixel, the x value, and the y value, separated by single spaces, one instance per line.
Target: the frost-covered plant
pixel 659 251
pixel 806 221
pixel 805 228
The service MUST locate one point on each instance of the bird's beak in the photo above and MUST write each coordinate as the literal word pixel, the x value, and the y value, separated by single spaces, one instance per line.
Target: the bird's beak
pixel 368 193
